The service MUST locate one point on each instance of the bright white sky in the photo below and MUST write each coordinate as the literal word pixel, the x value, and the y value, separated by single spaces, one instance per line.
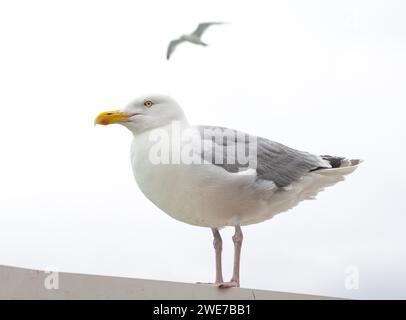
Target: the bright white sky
pixel 322 76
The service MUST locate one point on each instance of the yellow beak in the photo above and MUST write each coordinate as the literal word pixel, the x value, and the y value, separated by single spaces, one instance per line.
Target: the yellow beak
pixel 109 117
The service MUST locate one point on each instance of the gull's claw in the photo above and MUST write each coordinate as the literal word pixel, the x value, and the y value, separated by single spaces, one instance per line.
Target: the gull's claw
pixel 217 284
pixel 229 284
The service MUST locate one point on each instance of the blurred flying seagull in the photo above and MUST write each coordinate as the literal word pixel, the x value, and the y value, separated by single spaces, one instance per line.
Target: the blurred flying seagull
pixel 194 37
pixel 198 174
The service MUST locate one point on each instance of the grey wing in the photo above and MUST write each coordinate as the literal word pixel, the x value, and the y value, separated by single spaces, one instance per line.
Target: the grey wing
pixel 201 28
pixel 271 160
pixel 284 165
pixel 225 147
pixel 171 47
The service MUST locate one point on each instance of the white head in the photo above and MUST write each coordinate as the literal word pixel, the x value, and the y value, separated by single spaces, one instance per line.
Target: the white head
pixel 144 113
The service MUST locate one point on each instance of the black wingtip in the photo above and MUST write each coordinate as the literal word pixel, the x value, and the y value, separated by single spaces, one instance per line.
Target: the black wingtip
pixel 335 162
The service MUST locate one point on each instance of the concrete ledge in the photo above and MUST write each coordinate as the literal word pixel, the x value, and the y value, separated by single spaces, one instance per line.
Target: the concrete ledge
pixel 20 283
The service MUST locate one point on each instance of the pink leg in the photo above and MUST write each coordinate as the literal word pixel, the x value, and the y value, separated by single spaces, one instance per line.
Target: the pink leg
pixel 235 280
pixel 218 247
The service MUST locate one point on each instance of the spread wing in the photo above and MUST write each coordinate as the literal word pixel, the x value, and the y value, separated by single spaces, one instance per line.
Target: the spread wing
pixel 171 47
pixel 273 161
pixel 201 28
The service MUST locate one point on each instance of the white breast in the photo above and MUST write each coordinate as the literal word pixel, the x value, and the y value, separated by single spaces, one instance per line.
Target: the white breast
pixel 199 194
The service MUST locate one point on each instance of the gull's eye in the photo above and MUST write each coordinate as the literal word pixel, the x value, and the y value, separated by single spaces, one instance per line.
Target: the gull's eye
pixel 148 103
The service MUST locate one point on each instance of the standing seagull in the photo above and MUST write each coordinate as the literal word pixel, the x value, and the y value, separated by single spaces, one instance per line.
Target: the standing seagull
pixel 194 37
pixel 213 190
